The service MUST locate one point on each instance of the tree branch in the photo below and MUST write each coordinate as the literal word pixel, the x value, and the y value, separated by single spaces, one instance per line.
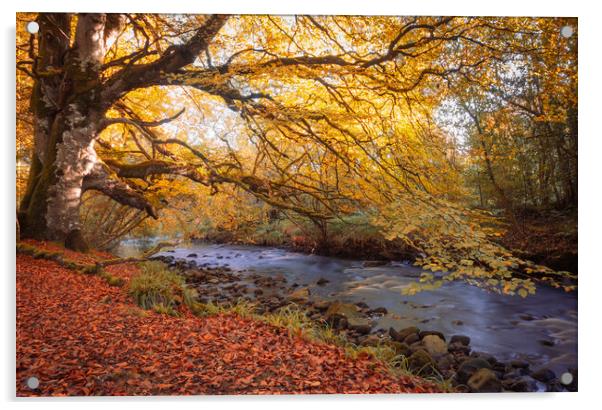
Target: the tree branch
pixel 173 59
pixel 102 179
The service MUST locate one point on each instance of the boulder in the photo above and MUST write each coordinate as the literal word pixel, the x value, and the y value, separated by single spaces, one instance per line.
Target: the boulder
pixel 484 381
pixel 519 364
pixel 421 363
pixel 470 367
pixel 522 385
pixel 321 304
pixel 403 333
pixel 378 311
pixel 434 345
pixel 543 375
pixel 192 255
pixel 425 333
pixel 372 340
pixel 322 282
pixel 359 324
pixel 342 309
pixel 300 295
pixel 457 347
pixel 339 314
pixel 446 362
pixel 412 338
pixel 461 339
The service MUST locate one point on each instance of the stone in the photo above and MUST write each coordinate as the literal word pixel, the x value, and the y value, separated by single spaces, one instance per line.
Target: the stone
pixel 359 324
pixel 378 311
pixel 300 295
pixel 457 322
pixel 425 333
pixel 434 345
pixel 342 309
pixel 543 375
pixel 464 340
pixel 421 363
pixel 321 304
pixel 484 381
pixel 338 315
pixel 322 282
pixel 470 367
pixel 457 347
pixel 192 255
pixel 485 356
pixel 522 385
pixel 400 335
pixel 412 338
pixel 519 364
pixel 446 362
pixel 372 340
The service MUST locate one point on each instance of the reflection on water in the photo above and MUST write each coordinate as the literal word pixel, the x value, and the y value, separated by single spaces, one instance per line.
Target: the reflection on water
pixel 541 328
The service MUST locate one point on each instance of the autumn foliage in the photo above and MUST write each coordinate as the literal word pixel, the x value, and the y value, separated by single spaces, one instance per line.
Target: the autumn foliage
pixel 80 336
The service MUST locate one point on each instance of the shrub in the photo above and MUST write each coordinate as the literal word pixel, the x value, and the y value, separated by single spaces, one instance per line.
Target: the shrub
pixel 160 289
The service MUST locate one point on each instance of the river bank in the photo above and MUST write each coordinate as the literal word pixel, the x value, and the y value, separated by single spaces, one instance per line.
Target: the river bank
pixel 524 354
pixel 78 335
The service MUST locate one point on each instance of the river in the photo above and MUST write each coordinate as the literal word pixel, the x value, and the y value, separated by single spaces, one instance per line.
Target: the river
pixel 541 329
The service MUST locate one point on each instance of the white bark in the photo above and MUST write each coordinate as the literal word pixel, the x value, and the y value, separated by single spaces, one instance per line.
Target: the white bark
pixel 75 159
pixel 95 34
pixel 76 156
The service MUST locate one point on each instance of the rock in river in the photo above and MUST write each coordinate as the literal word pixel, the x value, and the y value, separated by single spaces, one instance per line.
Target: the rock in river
pixel 425 333
pixel 300 295
pixel 463 340
pixel 434 345
pixel 470 367
pixel 421 363
pixel 543 375
pixel 401 335
pixel 484 381
pixel 359 324
pixel 342 309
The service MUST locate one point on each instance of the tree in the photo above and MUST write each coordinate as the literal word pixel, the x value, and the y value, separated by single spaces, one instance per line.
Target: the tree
pixel 318 116
pixel 69 103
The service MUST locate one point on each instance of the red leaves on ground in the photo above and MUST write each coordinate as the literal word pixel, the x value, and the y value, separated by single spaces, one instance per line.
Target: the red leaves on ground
pixel 80 336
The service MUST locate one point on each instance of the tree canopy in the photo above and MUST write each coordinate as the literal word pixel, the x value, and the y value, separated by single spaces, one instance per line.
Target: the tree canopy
pixel 423 125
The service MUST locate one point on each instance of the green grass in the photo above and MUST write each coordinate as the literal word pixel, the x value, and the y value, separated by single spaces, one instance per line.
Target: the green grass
pixel 160 289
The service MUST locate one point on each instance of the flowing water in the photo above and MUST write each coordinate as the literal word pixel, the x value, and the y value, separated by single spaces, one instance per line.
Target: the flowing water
pixel 541 328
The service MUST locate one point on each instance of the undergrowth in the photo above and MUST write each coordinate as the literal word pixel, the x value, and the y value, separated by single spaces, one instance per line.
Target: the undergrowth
pixel 159 289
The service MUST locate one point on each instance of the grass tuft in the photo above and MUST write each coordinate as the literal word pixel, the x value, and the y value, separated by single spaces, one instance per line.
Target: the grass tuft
pixel 158 288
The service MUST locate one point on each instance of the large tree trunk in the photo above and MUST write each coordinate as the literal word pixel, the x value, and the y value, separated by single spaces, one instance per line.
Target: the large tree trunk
pixel 67 112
